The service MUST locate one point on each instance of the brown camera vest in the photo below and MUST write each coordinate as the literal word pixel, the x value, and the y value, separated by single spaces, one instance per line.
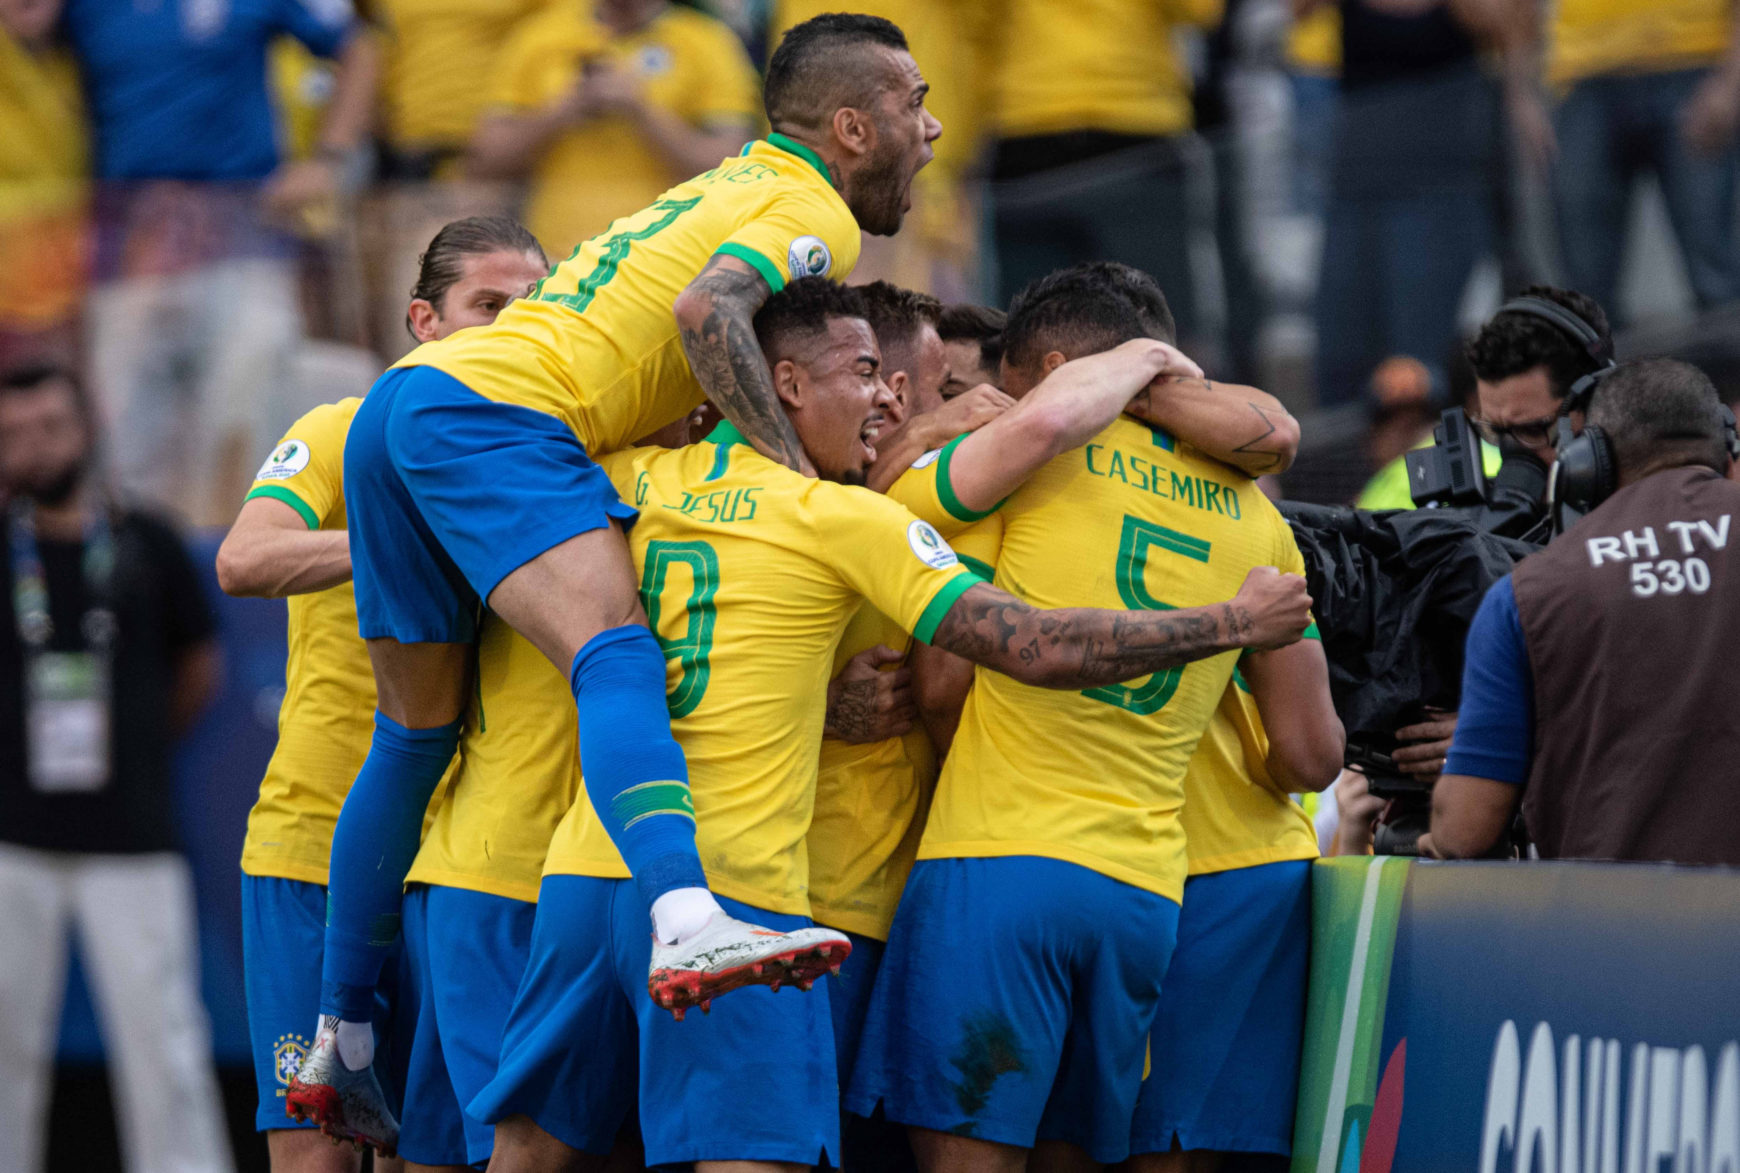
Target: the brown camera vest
pixel 1632 622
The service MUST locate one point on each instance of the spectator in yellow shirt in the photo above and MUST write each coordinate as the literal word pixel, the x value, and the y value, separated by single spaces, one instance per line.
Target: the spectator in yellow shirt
pixel 601 107
pixel 1090 112
pixel 43 169
pixel 1642 87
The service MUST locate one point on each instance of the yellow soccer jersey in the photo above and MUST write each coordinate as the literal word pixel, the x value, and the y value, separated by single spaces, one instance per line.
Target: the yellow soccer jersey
pixel 1589 37
pixel 749 574
pixel 1235 816
pixel 927 491
pixel 596 344
pixel 327 718
pixel 688 65
pixel 434 49
pixel 517 774
pixel 870 804
pixel 1093 65
pixel 1096 778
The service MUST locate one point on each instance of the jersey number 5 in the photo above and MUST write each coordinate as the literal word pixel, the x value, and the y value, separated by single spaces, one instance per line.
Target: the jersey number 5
pixel 1138 538
pixel 694 648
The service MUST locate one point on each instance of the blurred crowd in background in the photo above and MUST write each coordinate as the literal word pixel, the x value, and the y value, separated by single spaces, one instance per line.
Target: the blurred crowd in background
pixel 207 205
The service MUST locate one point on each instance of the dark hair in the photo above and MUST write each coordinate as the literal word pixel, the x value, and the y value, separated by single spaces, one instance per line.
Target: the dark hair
pixel 1085 309
pixel 442 263
pixel 1512 343
pixel 975 323
pixel 804 307
pixel 814 72
pixel 33 375
pixel 1660 411
pixel 897 315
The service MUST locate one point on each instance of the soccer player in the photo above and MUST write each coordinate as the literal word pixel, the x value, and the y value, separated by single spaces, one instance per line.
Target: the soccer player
pixel 750 573
pixel 468 480
pixel 972 338
pixel 1226 1043
pixel 1054 832
pixel 289 540
pixel 473 887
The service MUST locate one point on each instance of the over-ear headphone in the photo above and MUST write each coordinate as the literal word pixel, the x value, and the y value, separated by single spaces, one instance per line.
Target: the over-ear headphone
pixel 1586 473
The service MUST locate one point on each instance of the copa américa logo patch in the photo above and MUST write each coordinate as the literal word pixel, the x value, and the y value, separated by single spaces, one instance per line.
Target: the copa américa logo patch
pixel 808 256
pixel 288 459
pixel 929 546
pixel 928 459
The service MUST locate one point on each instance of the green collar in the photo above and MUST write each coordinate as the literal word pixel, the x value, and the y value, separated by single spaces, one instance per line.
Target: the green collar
pixel 792 147
pixel 725 432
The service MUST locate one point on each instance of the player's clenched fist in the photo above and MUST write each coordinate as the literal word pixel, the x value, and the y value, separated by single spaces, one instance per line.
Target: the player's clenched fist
pixel 1271 609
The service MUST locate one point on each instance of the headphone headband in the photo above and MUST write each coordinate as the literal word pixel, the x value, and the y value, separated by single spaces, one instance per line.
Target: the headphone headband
pixel 1568 323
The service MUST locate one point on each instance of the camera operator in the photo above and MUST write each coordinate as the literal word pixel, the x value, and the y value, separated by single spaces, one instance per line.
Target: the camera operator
pixel 1591 686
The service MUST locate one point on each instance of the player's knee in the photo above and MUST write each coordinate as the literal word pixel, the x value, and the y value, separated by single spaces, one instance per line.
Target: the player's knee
pixel 421 686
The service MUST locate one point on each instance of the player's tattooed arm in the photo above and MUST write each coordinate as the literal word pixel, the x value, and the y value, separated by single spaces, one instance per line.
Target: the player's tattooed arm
pixel 1084 647
pixel 716 315
pixel 1241 426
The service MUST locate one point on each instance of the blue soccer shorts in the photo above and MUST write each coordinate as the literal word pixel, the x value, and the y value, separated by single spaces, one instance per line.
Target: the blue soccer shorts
pixel 849 999
pixel 1014 1002
pixel 283 935
pixel 1226 1044
pixel 447 493
pixel 753 1080
pixel 465 953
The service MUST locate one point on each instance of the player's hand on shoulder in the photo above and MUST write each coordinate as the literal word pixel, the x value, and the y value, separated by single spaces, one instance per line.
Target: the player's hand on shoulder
pixel 1271 609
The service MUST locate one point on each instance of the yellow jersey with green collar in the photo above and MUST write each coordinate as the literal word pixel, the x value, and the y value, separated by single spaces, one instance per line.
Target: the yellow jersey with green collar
pixel 749 574
pixel 596 344
pixel 516 776
pixel 1132 520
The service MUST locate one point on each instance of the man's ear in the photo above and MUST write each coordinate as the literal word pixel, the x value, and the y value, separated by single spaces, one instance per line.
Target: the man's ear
pixel 1052 360
pixel 854 129
pixel 789 383
pixel 424 320
pixel 900 385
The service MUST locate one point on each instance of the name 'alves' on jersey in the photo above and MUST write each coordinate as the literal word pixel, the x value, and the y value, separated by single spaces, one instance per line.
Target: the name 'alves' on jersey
pixel 1134 521
pixel 597 345
pixel 749 573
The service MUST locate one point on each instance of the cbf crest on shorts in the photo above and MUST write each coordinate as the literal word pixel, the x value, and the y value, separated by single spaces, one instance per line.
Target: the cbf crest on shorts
pixel 287 1057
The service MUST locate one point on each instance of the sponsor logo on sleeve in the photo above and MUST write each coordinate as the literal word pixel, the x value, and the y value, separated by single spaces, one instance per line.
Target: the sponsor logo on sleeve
pixel 288 459
pixel 929 547
pixel 808 257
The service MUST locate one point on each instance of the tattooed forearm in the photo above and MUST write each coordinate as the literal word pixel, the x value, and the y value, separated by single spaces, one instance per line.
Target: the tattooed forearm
pixel 1082 647
pixel 1260 455
pixel 716 315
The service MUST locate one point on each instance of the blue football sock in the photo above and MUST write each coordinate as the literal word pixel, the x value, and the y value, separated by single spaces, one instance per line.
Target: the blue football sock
pixel 372 848
pixel 634 770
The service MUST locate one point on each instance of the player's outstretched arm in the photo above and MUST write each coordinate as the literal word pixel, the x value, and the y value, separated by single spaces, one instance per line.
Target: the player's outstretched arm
pixel 716 314
pixel 1241 426
pixel 270 552
pixel 1306 739
pixel 1084 647
pixel 1069 407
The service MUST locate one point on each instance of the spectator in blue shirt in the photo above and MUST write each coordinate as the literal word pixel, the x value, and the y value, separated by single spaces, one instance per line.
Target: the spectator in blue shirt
pixel 195 323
